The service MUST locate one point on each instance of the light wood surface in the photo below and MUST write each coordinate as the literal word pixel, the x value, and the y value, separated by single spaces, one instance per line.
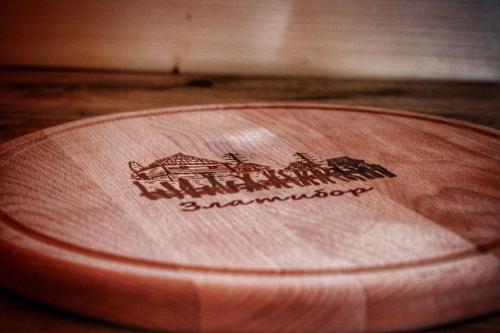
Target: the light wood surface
pixel 245 216
pixel 32 100
pixel 370 39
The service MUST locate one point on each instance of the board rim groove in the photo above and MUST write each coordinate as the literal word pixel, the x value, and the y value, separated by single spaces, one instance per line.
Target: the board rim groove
pixel 9 150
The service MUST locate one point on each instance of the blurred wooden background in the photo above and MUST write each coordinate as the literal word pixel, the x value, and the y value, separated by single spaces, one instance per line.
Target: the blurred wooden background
pixel 391 39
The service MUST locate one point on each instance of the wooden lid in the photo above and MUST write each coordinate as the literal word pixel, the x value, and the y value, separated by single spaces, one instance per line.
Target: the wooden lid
pixel 260 217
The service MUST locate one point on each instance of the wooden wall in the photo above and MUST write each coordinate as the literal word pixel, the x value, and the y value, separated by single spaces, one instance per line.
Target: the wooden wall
pixel 370 39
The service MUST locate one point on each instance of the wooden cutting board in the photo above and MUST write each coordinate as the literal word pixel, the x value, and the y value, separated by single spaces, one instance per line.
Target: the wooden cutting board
pixel 256 218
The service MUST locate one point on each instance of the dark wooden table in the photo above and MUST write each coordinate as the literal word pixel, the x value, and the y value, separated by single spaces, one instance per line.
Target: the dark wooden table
pixel 34 99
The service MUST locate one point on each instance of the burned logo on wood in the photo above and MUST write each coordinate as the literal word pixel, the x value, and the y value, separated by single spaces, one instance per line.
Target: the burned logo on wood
pixel 183 176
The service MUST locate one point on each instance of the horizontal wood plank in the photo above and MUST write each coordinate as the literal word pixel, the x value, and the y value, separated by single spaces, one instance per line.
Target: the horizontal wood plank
pixel 30 100
pixel 356 39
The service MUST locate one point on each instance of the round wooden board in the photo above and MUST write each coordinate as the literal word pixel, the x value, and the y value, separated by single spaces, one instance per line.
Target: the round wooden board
pixel 256 218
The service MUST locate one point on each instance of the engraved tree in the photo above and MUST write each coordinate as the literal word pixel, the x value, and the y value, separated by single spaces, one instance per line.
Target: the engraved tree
pixel 235 158
pixel 307 160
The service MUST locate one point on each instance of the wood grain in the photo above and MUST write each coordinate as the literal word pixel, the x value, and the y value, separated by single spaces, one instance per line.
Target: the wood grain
pixel 360 39
pixel 23 315
pixel 33 100
pixel 141 210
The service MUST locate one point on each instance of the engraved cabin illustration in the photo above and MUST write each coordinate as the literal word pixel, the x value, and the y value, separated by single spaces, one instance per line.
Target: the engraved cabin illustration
pixel 182 175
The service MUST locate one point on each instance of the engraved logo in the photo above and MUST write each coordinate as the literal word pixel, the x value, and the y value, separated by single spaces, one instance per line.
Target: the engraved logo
pixel 188 177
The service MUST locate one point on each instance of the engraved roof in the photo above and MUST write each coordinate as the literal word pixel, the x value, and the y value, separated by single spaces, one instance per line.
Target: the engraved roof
pixel 181 159
pixel 249 167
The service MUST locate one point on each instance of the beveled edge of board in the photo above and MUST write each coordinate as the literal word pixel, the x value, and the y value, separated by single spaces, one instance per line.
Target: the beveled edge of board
pixel 11 148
